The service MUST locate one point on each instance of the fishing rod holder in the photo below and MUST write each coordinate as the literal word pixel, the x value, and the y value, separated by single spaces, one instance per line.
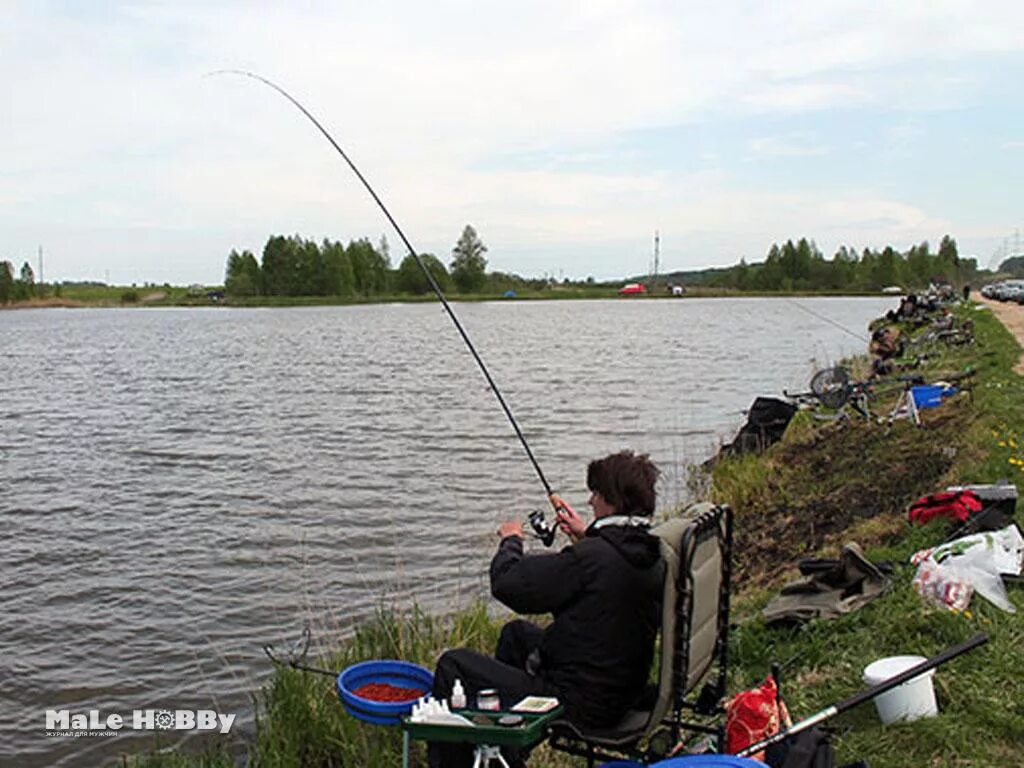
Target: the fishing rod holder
pixel 296 656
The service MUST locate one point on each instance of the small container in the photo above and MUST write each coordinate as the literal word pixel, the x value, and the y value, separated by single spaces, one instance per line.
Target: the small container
pixel 458 698
pixel 488 701
pixel 912 700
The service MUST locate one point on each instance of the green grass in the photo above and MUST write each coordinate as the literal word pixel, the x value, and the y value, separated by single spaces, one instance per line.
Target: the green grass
pixel 824 475
pixel 820 487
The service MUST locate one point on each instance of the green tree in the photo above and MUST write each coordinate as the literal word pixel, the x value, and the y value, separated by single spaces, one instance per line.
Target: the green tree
pixel 25 288
pixel 742 276
pixel 291 266
pixel 1012 266
pixel 949 259
pixel 242 275
pixel 865 269
pixel 369 269
pixel 338 268
pixel 771 275
pixel 468 263
pixel 919 265
pixel 844 267
pixel 948 252
pixel 6 281
pixel 277 266
pixel 886 269
pixel 410 278
pixel 311 271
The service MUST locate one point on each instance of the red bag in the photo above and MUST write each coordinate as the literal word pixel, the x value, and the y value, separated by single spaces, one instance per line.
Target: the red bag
pixel 754 715
pixel 957 506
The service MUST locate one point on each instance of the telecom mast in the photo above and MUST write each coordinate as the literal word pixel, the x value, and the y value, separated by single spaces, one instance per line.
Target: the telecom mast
pixel 654 268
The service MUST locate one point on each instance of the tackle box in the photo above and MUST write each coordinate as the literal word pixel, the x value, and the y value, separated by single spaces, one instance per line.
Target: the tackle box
pixel 532 730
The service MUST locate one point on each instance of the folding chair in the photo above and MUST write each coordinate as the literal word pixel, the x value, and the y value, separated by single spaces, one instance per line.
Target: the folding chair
pixel 697 549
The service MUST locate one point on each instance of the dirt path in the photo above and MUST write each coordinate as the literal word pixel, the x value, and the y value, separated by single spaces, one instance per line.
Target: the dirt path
pixel 1012 316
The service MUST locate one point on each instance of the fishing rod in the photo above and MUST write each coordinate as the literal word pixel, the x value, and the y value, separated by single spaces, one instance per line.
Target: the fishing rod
pixel 412 251
pixel 829 320
pixel 870 693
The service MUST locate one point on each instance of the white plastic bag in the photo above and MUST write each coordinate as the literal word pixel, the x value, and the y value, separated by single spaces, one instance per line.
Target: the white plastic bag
pixel 950 572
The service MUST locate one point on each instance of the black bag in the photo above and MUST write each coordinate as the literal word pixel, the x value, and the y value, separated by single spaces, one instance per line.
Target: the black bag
pixel 807 749
pixel 766 422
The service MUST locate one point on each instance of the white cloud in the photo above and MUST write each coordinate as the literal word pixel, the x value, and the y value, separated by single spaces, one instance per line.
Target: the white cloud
pixel 108 123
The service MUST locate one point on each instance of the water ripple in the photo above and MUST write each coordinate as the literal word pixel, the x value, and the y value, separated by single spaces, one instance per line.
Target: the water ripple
pixel 180 487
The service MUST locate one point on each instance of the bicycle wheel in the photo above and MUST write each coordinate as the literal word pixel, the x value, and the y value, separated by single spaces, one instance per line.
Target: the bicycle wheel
pixel 832 387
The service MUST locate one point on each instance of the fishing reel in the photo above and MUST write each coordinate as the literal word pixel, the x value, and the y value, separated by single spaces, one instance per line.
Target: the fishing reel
pixel 541 528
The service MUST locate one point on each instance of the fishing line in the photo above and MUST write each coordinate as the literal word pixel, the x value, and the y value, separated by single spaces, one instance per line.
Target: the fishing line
pixel 830 321
pixel 412 251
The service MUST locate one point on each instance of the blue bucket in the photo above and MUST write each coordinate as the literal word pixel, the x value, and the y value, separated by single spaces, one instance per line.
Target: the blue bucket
pixel 930 396
pixel 708 761
pixel 401 674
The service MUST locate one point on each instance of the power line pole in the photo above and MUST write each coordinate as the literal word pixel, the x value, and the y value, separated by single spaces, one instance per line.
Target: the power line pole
pixel 657 252
pixel 40 265
pixel 654 268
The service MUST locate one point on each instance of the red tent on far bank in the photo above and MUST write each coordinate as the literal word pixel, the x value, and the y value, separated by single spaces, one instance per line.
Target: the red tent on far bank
pixel 633 289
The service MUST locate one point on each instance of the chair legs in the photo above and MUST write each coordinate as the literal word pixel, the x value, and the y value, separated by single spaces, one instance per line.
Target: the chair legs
pixel 484 755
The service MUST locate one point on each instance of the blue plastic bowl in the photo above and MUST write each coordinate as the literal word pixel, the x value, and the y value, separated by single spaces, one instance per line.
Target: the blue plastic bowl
pixel 398 673
pixel 930 396
pixel 708 761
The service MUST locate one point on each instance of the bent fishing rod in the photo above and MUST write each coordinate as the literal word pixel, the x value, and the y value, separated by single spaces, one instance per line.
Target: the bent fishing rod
pixel 412 251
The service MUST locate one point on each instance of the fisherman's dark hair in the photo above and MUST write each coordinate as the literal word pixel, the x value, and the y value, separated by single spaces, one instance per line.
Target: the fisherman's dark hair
pixel 626 481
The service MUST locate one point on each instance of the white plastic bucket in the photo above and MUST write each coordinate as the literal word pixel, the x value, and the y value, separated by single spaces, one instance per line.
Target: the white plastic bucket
pixel 912 700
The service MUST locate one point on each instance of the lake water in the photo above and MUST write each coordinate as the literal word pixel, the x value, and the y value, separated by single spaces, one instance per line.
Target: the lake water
pixel 180 486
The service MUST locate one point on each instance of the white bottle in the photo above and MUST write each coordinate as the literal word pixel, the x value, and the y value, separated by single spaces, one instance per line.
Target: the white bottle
pixel 458 697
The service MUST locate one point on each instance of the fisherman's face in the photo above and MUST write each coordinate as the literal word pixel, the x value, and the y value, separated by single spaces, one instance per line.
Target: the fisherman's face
pixel 601 507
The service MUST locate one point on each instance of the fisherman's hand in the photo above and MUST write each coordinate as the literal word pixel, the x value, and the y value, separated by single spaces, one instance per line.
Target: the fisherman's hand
pixel 512 528
pixel 567 519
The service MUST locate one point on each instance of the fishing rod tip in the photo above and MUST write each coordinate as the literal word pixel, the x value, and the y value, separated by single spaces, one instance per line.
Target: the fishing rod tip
pixel 229 71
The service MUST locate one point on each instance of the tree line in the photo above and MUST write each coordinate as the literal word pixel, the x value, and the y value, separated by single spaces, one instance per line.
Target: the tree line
pixel 21 288
pixel 294 266
pixel 802 266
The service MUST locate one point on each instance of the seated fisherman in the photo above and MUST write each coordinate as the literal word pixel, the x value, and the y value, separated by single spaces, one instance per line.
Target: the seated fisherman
pixel 884 347
pixel 604 592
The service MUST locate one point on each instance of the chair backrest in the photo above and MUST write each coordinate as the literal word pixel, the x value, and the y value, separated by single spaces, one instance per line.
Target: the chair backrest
pixel 695 604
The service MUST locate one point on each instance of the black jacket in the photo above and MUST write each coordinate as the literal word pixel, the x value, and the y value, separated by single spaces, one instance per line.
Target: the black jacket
pixel 605 594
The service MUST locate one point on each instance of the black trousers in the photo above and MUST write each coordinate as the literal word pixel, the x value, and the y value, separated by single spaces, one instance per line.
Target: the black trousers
pixel 507 672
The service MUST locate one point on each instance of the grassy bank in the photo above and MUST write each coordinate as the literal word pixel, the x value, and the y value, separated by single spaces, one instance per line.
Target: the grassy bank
pixel 825 484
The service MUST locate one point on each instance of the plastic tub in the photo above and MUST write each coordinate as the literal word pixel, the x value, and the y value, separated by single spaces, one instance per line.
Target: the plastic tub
pixel 912 700
pixel 708 761
pixel 400 674
pixel 930 396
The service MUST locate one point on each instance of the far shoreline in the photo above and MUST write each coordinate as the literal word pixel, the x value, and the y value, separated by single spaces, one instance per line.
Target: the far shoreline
pixel 330 301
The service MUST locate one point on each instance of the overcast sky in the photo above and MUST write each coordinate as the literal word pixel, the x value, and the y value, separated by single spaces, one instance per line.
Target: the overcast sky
pixel 566 133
